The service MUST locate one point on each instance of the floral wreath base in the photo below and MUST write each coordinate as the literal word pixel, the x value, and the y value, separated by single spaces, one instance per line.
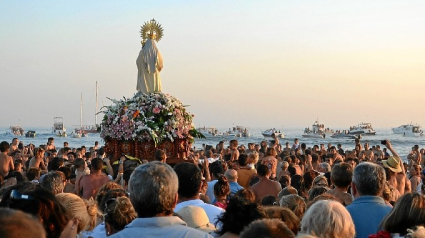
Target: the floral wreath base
pixel 140 125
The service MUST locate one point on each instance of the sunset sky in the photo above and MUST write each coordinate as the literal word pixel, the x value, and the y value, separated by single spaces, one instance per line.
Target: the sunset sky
pixel 251 63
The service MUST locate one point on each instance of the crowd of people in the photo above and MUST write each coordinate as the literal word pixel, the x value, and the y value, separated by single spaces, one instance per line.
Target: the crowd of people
pixel 254 190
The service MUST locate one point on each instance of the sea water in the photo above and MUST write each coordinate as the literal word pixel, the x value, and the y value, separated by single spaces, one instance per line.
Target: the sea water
pixel 402 144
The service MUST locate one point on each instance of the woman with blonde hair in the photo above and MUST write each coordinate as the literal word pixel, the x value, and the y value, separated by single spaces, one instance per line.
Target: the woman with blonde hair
pixel 84 210
pixel 328 219
pixel 119 212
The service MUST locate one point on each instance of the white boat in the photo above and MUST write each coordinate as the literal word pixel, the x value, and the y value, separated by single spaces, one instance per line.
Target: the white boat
pixel 408 130
pixel 317 131
pixel 210 131
pixel 273 132
pixel 17 130
pixel 345 136
pixel 58 127
pixel 363 128
pixel 238 131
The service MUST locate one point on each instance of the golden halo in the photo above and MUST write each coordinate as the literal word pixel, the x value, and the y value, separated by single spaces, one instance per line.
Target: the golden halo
pixel 151 29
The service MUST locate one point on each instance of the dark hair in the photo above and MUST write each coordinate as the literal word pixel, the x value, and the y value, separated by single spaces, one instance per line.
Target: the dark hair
pixel 316 191
pixel 242 160
pixel 32 173
pixel 55 163
pixel 160 155
pixel 269 200
pixel 38 202
pixel 221 187
pixel 262 170
pixel 4 146
pixel 342 175
pixel 246 194
pixel 78 163
pixel 190 178
pixel 239 213
pixel 297 182
pixel 65 170
pixel 97 164
pixel 216 168
pixel 283 180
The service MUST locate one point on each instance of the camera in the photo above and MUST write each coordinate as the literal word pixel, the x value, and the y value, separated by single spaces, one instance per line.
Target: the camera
pixel 384 142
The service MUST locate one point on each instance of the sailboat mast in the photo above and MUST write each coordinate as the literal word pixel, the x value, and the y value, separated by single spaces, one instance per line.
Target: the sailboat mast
pixel 81 112
pixel 95 113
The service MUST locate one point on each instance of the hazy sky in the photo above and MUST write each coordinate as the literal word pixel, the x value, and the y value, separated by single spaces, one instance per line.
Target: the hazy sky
pixel 251 63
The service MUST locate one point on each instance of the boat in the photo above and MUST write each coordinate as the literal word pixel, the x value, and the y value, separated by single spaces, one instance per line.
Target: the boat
pixel 96 127
pixel 408 130
pixel 58 127
pixel 17 130
pixel 273 132
pixel 210 131
pixel 317 131
pixel 80 132
pixel 238 131
pixel 363 128
pixel 339 135
pixel 30 134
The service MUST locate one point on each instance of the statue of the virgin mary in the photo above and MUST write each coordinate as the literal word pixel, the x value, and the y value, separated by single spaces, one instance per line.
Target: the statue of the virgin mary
pixel 149 63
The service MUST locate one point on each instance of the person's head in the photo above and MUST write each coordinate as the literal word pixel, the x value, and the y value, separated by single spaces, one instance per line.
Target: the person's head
pixel 52 182
pixel 4 146
pixel 324 167
pixel 408 212
pixel 33 174
pixel 341 175
pixel 160 155
pixel 96 164
pixel 285 181
pixel 231 175
pixel 393 164
pixel 316 191
pixel 189 179
pixel 103 191
pixel 243 159
pixel 271 151
pixel 287 191
pixel 239 213
pixel 153 189
pixel 328 219
pixel 285 215
pixel 13 221
pixel 267 228
pixel 269 200
pixel 66 171
pixel 295 203
pixel 118 213
pixel 39 202
pixel 263 171
pixel 253 157
pixel 246 194
pixel 84 210
pixel 320 181
pixel 55 163
pixel 368 179
pixel 221 188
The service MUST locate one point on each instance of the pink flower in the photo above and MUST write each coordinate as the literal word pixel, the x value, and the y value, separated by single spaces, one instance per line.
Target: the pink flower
pixel 156 110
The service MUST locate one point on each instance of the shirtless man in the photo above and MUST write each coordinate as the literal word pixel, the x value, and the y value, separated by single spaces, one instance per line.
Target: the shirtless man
pixel 335 154
pixel 395 167
pixel 50 144
pixel 6 161
pixel 89 184
pixel 341 177
pixel 368 152
pixel 265 186
pixel 233 145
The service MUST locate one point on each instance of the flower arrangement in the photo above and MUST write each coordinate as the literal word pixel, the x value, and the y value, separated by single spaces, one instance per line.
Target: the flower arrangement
pixel 153 116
